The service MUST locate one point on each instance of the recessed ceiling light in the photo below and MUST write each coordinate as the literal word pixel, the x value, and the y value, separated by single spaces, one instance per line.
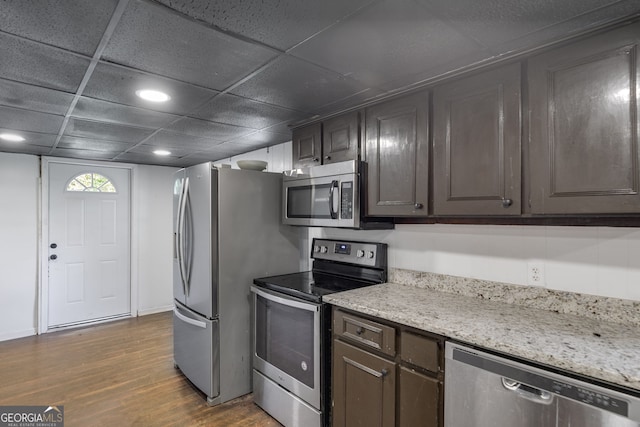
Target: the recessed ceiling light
pixel 153 95
pixel 11 137
pixel 162 152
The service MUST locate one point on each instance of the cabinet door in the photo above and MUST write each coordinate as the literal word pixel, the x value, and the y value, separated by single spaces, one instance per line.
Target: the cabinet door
pixel 419 400
pixel 364 387
pixel 397 153
pixel 476 143
pixel 584 126
pixel 307 146
pixel 340 138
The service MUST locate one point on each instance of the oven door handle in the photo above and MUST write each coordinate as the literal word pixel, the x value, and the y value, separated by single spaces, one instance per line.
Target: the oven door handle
pixel 285 301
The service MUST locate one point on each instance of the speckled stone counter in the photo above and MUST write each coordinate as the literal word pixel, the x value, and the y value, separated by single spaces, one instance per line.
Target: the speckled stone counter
pixel 596 348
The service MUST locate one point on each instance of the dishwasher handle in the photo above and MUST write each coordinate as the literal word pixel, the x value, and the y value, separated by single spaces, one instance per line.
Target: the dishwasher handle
pixel 527 392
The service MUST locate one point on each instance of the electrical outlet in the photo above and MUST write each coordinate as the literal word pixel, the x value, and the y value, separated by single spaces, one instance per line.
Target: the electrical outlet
pixel 535 273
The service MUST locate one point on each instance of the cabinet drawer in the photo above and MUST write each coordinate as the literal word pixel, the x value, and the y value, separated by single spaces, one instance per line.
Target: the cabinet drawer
pixel 420 351
pixel 370 334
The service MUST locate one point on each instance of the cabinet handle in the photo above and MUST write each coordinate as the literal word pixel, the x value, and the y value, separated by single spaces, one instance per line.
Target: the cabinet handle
pixel 359 330
pixel 315 159
pixel 327 157
pixel 418 206
pixel 506 203
pixel 384 372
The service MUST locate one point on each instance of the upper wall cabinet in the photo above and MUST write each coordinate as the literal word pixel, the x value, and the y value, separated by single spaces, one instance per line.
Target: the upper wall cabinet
pixel 397 153
pixel 307 146
pixel 340 138
pixel 584 126
pixel 476 144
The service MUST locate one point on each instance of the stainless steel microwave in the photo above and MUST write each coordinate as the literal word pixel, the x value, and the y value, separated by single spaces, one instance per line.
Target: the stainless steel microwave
pixel 327 196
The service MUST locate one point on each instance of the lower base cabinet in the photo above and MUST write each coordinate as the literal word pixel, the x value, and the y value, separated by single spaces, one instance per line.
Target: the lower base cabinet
pixel 384 374
pixel 364 386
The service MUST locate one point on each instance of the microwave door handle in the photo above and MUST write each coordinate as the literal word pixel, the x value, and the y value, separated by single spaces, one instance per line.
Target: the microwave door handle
pixel 332 212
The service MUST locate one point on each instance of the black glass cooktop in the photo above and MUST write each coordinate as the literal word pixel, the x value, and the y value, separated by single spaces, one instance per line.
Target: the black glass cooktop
pixel 309 285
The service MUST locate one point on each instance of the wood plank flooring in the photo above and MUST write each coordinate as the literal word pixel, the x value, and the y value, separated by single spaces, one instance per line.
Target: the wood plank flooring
pixel 114 374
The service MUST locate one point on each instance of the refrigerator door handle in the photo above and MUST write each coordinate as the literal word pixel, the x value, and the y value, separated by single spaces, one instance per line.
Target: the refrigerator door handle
pixel 189 320
pixel 181 235
pixel 187 240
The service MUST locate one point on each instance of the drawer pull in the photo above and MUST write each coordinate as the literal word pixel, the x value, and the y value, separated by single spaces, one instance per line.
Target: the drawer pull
pixel 359 330
pixel 384 372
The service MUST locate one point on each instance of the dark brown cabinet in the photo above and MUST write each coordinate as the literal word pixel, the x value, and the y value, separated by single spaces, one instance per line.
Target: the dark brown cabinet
pixel 364 385
pixel 334 140
pixel 340 137
pixel 307 146
pixel 476 144
pixel 384 374
pixel 584 126
pixel 397 154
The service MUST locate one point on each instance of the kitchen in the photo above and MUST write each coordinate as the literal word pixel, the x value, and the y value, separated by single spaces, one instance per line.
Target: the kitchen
pixel 597 260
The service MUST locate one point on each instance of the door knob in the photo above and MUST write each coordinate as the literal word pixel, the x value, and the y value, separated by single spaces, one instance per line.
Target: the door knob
pixel 53 245
pixel 54 256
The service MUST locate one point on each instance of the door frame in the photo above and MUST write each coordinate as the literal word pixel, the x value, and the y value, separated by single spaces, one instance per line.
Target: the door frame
pixel 43 233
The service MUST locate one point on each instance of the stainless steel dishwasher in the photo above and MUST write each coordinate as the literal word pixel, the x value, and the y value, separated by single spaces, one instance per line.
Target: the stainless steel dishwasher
pixel 484 390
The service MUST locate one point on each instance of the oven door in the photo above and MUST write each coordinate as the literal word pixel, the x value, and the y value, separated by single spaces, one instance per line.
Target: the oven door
pixel 287 343
pixel 328 201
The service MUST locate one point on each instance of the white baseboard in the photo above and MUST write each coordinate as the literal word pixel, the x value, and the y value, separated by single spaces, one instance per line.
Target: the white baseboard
pixel 18 334
pixel 155 310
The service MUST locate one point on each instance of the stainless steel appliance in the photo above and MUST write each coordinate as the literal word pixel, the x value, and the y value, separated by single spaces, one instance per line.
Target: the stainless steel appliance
pixel 227 231
pixel 484 390
pixel 292 329
pixel 328 196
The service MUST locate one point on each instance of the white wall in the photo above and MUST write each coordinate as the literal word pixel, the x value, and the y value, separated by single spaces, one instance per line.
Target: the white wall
pixel 19 225
pixel 601 261
pixel 154 203
pixel 279 157
pixel 19 200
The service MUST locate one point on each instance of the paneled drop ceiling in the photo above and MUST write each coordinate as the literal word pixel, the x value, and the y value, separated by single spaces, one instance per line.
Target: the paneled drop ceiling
pixel 240 72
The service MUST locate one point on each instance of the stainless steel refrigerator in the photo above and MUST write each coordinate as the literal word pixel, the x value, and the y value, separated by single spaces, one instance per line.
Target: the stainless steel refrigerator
pixel 227 231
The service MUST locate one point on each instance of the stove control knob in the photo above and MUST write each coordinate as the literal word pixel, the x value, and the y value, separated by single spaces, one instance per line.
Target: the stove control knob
pixel 370 254
pixel 316 249
pixel 360 253
pixel 323 249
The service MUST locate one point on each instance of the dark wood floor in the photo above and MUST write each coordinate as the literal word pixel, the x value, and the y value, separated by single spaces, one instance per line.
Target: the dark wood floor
pixel 114 374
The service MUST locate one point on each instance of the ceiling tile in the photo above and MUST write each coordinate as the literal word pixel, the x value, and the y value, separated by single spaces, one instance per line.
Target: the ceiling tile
pixel 389 40
pixel 38 150
pixel 281 24
pixel 92 144
pixel 17 119
pixel 32 138
pixel 148 159
pixel 105 131
pixel 21 95
pixel 497 21
pixel 95 109
pixel 236 110
pixel 149 149
pixel 292 83
pixel 75 25
pixel 34 63
pixel 578 24
pixel 229 149
pixel 206 129
pixel 367 95
pixel 119 84
pixel 172 139
pixel 262 139
pixel 154 38
pixel 83 154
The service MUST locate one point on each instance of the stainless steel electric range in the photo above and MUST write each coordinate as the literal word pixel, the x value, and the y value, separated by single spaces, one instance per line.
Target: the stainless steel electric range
pixel 292 329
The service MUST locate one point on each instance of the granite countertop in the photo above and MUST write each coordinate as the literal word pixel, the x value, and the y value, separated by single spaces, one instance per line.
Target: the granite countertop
pixel 596 348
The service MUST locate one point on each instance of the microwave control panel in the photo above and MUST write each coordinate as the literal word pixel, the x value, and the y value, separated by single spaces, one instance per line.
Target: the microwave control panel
pixel 346 202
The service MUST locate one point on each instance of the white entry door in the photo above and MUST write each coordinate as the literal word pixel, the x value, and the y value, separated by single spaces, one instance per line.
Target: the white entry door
pixel 88 243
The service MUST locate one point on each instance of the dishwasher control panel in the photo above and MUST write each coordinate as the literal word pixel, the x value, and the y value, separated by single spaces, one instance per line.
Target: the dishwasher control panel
pixel 590 397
